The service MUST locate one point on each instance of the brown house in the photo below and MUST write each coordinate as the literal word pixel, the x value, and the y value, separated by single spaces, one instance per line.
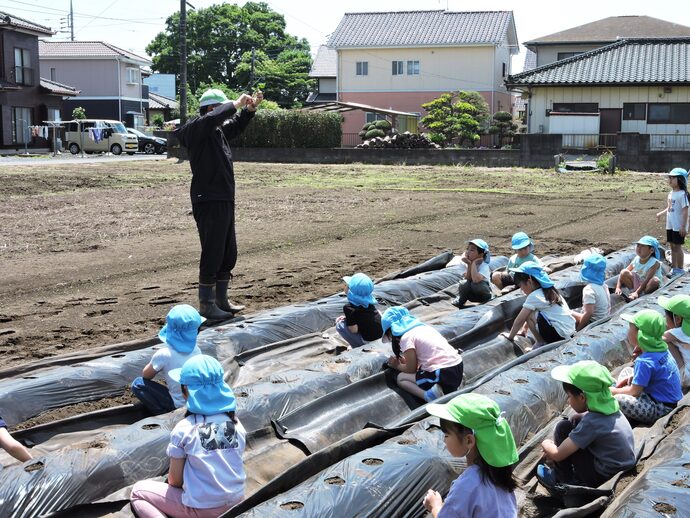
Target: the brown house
pixel 26 99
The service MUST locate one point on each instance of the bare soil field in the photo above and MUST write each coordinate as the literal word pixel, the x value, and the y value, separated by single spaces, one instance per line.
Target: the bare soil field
pixel 97 254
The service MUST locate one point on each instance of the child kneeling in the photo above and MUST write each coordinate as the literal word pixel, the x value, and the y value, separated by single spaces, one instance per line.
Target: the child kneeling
pixel 361 322
pixel 595 442
pixel 473 428
pixel 429 366
pixel 206 476
pixel 596 301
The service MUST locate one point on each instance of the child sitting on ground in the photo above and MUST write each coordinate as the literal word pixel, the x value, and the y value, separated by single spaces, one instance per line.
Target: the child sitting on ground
pixel 654 389
pixel 475 286
pixel 206 476
pixel 596 302
pixel 179 334
pixel 643 275
pixel 545 313
pixel 596 441
pixel 677 335
pixel 473 428
pixel 676 216
pixel 11 445
pixel 361 322
pixel 524 251
pixel 429 366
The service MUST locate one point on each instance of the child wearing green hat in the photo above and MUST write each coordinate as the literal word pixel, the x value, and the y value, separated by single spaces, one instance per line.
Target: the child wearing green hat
pixel 654 389
pixel 476 285
pixel 643 275
pixel 596 441
pixel 474 428
pixel 677 335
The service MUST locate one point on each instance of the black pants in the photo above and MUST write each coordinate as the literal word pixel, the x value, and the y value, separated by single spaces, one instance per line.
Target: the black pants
pixel 547 331
pixel 215 221
pixel 474 291
pixel 579 467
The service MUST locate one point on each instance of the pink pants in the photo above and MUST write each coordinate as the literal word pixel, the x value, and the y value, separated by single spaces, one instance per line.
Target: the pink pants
pixel 151 499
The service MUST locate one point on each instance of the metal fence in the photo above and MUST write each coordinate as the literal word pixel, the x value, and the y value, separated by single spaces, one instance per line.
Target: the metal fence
pixel 350 140
pixel 672 142
pixel 589 141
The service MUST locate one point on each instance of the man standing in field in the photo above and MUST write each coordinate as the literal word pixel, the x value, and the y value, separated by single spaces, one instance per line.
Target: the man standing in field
pixel 213 193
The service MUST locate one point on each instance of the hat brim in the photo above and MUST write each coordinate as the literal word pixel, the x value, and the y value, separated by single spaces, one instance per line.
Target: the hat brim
pixel 441 411
pixel 562 373
pixel 663 302
pixel 521 244
pixel 346 279
pixel 628 317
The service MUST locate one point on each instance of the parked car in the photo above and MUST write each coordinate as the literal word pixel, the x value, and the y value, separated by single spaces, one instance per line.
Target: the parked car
pixel 99 135
pixel 149 144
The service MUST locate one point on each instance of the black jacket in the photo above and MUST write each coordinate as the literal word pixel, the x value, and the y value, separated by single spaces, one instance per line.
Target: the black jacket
pixel 210 158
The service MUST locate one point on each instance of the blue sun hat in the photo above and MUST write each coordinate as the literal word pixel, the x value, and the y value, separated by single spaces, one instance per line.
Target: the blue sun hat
pixel 594 269
pixel 653 242
pixel 207 391
pixel 534 270
pixel 181 327
pixel 521 240
pixel 679 171
pixel 360 290
pixel 480 243
pixel 399 321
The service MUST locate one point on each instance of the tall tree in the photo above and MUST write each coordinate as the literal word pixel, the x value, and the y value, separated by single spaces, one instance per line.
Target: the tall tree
pixel 455 117
pixel 220 40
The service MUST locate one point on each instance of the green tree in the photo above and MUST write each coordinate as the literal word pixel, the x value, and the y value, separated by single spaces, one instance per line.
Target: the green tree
pixel 502 125
pixel 450 118
pixel 483 113
pixel 78 113
pixel 157 121
pixel 220 40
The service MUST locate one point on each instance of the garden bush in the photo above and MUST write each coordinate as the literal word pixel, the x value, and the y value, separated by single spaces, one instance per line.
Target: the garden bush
pixel 292 128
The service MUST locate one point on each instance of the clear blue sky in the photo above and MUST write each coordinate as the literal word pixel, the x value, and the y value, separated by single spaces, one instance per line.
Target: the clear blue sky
pixel 132 24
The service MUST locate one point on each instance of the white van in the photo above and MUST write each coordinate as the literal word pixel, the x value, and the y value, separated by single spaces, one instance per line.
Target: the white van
pixel 99 135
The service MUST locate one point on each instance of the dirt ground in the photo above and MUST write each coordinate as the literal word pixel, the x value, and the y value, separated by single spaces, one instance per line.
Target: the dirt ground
pixel 95 255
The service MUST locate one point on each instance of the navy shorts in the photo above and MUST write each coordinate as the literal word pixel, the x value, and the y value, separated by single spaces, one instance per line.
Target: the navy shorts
pixel 674 237
pixel 449 378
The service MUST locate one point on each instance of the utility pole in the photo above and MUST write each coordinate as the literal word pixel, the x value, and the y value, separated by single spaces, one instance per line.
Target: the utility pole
pixel 183 62
pixel 71 20
pixel 251 71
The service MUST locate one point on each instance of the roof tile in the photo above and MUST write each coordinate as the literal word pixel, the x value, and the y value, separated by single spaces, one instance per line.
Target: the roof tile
pixel 85 49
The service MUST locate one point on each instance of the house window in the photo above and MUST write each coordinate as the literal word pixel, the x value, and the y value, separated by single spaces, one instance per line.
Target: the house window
pixel 21 120
pixel 575 107
pixel 668 113
pixel 372 117
pixel 54 114
pixel 362 68
pixel 53 75
pixel 23 73
pixel 634 111
pixel 132 75
pixel 413 68
pixel 566 55
pixel 397 68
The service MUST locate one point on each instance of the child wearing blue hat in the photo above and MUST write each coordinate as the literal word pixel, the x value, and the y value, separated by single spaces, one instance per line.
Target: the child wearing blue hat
pixel 179 336
pixel 361 321
pixel 596 301
pixel 545 312
pixel 643 275
pixel 206 476
pixel 524 251
pixel 429 366
pixel 676 216
pixel 475 287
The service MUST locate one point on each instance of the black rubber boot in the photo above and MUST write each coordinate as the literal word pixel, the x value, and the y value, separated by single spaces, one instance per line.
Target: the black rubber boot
pixel 222 298
pixel 207 304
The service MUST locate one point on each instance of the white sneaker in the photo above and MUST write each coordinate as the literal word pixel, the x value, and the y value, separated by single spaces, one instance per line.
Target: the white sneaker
pixel 433 393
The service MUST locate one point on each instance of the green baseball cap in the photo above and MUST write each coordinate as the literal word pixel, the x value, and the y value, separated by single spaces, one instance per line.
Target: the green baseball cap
pixel 650 328
pixel 213 96
pixel 678 305
pixel 494 437
pixel 594 380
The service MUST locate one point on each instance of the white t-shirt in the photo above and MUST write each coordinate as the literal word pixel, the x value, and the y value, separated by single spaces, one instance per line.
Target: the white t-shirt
pixel 484 270
pixel 166 359
pixel 558 315
pixel 432 349
pixel 684 348
pixel 598 295
pixel 674 220
pixel 213 471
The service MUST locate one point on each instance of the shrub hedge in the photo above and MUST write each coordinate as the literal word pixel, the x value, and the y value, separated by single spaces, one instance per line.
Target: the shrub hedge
pixel 292 128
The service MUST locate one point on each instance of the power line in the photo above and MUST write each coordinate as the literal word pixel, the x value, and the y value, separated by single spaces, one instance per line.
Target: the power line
pixel 55 12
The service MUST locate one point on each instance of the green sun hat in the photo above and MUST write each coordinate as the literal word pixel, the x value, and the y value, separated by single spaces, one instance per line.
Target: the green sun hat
pixel 650 328
pixel 678 305
pixel 594 380
pixel 492 432
pixel 213 96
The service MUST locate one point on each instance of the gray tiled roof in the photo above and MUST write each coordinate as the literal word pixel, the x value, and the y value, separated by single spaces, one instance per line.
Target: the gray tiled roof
pixel 530 61
pixel 626 62
pixel 160 102
pixel 615 28
pixel 417 28
pixel 325 63
pixel 58 88
pixel 85 49
pixel 16 21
